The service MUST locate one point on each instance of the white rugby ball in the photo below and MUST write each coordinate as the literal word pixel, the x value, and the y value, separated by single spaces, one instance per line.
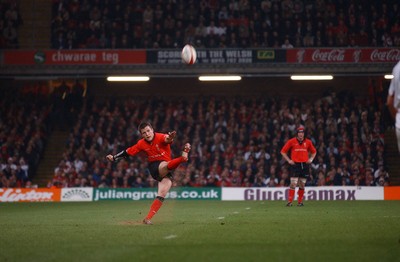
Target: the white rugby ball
pixel 189 54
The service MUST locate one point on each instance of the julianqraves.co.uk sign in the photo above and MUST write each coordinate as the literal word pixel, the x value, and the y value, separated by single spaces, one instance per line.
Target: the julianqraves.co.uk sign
pixel 150 193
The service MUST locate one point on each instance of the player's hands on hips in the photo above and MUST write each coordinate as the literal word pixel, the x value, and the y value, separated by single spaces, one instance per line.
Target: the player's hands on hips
pixel 110 158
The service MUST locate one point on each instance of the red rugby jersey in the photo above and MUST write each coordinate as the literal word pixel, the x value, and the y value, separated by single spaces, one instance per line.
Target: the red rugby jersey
pixel 299 153
pixel 156 150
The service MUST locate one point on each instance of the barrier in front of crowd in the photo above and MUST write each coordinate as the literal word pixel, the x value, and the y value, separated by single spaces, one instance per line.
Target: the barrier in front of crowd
pixel 99 57
pixel 89 194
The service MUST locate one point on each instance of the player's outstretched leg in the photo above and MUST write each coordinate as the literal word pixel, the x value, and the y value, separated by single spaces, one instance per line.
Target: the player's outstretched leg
pixel 174 163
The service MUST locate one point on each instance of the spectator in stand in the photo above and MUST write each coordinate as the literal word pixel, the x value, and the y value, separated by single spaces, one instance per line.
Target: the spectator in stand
pixel 287 44
pixel 10 35
pixel 10 21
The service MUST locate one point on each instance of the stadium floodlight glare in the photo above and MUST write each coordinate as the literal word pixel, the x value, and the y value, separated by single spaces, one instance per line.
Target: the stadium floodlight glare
pixel 220 78
pixel 388 76
pixel 311 77
pixel 128 78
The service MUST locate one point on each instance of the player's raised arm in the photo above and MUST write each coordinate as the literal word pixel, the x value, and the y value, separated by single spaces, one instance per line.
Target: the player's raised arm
pixel 116 157
pixel 170 137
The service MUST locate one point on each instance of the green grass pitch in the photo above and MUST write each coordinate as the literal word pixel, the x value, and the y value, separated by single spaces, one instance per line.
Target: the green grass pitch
pixel 201 231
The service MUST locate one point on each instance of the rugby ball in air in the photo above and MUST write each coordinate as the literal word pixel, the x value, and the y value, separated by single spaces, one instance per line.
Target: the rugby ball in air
pixel 189 54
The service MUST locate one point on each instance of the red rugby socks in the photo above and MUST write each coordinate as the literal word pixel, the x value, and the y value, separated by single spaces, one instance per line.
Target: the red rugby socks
pixel 174 163
pixel 157 203
pixel 291 194
pixel 300 195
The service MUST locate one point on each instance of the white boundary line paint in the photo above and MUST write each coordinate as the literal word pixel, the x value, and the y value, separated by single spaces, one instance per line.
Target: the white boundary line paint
pixel 170 237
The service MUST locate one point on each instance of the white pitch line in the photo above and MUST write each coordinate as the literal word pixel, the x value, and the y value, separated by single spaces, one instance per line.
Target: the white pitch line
pixel 220 217
pixel 236 212
pixel 247 208
pixel 170 237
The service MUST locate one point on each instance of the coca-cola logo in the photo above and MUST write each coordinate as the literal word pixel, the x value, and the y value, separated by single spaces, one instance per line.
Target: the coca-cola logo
pixel 385 55
pixel 334 55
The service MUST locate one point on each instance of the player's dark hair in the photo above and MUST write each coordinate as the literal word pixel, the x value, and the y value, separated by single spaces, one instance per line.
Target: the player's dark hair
pixel 143 125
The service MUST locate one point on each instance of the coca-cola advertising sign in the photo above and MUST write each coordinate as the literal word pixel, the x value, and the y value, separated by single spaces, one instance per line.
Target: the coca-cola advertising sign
pixel 385 55
pixel 334 55
pixel 342 55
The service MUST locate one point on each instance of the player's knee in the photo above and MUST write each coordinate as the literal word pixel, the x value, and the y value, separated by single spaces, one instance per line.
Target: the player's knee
pixel 163 168
pixel 164 186
pixel 162 194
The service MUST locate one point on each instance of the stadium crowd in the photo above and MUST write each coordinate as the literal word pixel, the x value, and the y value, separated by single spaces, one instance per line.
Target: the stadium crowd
pixel 235 141
pixel 127 24
pixel 24 128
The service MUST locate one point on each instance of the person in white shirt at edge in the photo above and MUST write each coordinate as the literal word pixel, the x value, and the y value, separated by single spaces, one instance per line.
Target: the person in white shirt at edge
pixel 287 44
pixel 393 100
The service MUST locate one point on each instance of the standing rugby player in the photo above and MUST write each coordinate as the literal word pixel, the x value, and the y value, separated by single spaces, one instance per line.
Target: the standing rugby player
pixel 302 153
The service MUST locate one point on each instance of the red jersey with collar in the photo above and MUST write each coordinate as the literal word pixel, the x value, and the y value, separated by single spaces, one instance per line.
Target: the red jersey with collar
pixel 156 150
pixel 299 152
